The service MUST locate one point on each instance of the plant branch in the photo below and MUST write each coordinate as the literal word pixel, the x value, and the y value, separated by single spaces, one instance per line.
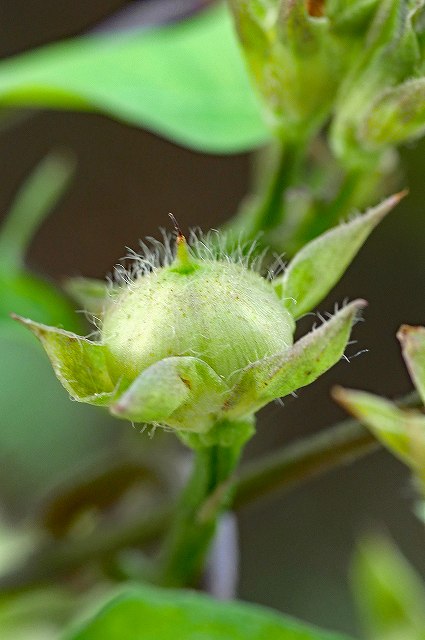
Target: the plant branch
pixel 322 452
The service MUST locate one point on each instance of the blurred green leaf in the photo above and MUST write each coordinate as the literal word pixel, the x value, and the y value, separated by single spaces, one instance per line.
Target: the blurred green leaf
pixel 390 596
pixel 42 434
pixel 145 613
pixel 402 431
pixel 185 81
pixel 29 295
pixel 38 615
pixel 412 340
pixel 20 291
pixel 34 201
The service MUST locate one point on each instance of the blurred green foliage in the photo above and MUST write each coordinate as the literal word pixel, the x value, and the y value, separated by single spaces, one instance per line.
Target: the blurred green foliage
pixel 42 434
pixel 389 594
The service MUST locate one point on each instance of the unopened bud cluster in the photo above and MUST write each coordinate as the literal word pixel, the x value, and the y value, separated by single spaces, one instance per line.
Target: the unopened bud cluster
pixel 359 64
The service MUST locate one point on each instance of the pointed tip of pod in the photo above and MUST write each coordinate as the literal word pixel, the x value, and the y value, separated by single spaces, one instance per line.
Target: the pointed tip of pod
pixel 183 262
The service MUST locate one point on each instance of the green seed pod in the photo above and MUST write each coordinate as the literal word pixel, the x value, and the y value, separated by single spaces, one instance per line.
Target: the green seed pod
pixel 197 340
pixel 221 312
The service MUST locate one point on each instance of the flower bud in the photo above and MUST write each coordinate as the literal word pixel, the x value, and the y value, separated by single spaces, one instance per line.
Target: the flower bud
pixel 197 340
pixel 220 311
pixel 391 55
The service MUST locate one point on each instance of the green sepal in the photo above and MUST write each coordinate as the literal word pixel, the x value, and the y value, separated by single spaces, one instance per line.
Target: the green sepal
pixel 252 21
pixel 412 341
pixel 93 295
pixel 320 264
pixel 389 595
pixel 79 364
pixel 402 431
pixel 281 374
pixel 181 392
pixel 21 291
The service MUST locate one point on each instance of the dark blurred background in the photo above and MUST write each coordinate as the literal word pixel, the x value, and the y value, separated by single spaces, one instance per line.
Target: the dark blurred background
pixel 295 548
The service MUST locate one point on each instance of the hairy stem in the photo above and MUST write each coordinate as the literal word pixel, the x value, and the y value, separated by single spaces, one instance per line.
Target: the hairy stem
pixel 322 452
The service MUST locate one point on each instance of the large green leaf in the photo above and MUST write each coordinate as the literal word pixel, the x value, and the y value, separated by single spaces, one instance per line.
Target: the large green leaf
pixel 185 81
pixel 145 613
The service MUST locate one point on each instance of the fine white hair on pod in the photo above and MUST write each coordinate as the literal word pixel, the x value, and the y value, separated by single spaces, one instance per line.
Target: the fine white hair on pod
pixel 154 253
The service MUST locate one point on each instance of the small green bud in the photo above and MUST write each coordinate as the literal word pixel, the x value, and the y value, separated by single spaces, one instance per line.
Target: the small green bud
pixel 365 120
pixel 402 431
pixel 296 62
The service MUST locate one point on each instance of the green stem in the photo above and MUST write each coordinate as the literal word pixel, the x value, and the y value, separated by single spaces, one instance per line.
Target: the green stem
pixel 271 210
pixel 328 215
pixel 192 530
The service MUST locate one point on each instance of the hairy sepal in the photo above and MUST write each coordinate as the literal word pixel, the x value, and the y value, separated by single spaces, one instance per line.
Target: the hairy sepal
pixel 180 392
pixel 79 364
pixel 281 374
pixel 321 263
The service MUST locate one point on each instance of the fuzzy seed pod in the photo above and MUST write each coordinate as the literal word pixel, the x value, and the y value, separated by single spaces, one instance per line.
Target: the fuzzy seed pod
pixel 198 341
